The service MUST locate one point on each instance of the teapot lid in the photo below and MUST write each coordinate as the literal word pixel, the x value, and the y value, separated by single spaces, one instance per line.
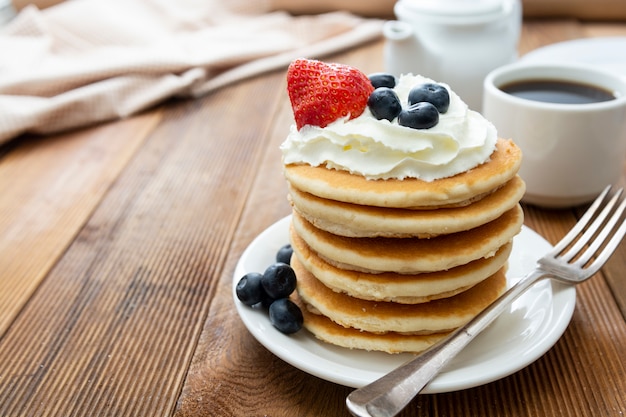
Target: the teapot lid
pixel 463 10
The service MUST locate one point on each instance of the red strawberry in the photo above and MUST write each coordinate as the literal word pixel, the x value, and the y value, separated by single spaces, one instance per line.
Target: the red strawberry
pixel 321 93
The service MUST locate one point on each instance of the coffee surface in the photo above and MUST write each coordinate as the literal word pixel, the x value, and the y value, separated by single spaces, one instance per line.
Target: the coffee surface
pixel 553 91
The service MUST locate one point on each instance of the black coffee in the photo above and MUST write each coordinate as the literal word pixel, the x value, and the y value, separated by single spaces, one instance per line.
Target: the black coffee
pixel 552 91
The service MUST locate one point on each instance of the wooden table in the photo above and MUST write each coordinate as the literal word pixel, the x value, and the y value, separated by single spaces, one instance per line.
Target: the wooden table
pixel 118 245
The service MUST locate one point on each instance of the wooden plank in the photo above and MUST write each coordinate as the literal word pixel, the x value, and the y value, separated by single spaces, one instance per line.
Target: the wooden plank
pixel 223 378
pixel 538 33
pixel 615 28
pixel 117 319
pixel 615 267
pixel 610 10
pixel 49 187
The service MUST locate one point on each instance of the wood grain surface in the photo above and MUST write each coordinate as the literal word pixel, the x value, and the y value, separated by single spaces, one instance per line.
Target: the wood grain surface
pixel 117 250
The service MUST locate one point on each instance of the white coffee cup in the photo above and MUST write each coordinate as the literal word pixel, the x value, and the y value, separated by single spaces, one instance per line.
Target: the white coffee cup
pixel 570 151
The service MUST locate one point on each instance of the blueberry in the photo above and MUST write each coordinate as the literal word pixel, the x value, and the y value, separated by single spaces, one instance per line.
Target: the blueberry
pixel 384 104
pixel 381 79
pixel 421 115
pixel 249 289
pixel 279 280
pixel 286 316
pixel 433 93
pixel 284 254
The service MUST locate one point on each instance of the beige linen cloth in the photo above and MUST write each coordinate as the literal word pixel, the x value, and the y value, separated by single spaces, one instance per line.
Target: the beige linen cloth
pixel 86 61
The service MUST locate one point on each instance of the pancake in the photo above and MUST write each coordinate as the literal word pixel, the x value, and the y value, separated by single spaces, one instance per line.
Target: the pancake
pixel 461 189
pixel 411 255
pixel 399 288
pixel 326 330
pixel 381 317
pixel 352 220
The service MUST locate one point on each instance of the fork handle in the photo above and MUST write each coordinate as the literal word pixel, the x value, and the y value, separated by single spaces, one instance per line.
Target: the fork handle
pixel 389 394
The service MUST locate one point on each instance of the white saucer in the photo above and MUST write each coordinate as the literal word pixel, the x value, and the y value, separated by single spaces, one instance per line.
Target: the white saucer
pixel 521 335
pixel 608 53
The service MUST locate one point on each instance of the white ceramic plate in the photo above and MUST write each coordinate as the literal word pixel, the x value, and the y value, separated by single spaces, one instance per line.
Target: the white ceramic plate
pixel 607 53
pixel 522 334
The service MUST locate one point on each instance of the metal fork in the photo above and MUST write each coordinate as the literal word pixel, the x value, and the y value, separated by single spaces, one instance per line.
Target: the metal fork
pixel 578 256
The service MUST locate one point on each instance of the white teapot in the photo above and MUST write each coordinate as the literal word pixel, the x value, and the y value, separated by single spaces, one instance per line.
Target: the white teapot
pixel 457 42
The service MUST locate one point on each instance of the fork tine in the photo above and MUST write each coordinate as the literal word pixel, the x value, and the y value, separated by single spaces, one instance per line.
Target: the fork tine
pixel 610 247
pixel 592 229
pixel 582 223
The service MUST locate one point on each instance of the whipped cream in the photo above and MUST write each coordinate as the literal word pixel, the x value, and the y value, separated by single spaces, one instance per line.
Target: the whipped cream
pixel 379 149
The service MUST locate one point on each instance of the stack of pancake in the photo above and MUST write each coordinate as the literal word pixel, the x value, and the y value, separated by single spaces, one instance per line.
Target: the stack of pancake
pixel 395 265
